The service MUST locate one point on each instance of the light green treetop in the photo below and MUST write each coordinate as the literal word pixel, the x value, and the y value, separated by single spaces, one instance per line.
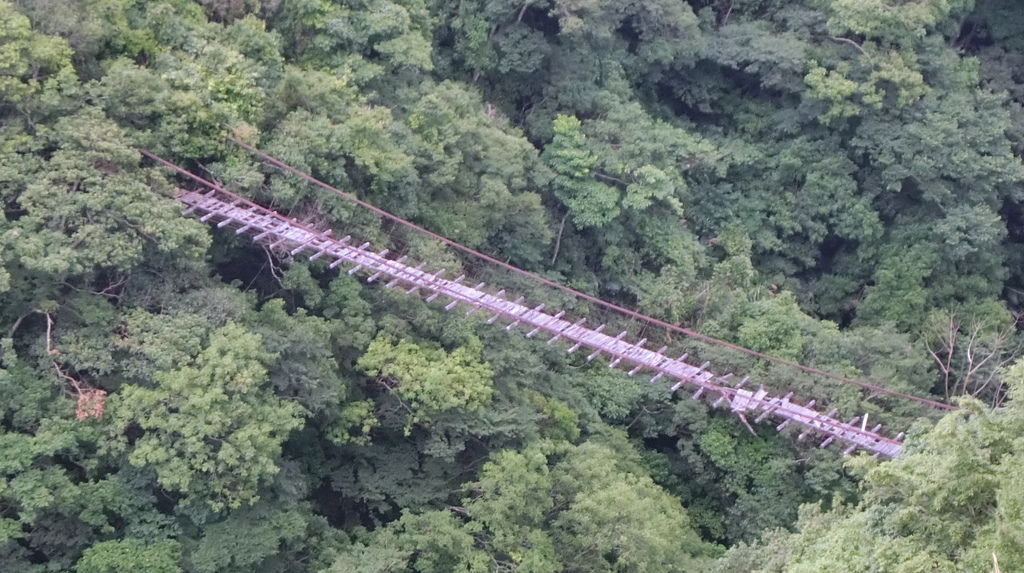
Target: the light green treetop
pixel 211 431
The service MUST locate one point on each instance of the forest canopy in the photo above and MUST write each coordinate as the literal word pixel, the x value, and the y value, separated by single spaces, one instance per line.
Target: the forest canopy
pixel 837 183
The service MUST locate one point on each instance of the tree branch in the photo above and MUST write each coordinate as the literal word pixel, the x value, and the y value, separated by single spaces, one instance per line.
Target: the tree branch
pixel 18 322
pixel 612 178
pixel 852 43
pixel 558 238
pixel 725 18
pixel 522 11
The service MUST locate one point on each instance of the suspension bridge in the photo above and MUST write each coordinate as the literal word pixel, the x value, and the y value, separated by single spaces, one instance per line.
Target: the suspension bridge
pixel 225 209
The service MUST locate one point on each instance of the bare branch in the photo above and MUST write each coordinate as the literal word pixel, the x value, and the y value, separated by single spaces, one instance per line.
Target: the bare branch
pixel 611 178
pixel 522 11
pixel 275 270
pixel 18 322
pixel 458 509
pixel 91 401
pixel 49 332
pixel 852 43
pixel 558 238
pixel 725 18
pixel 970 359
pixel 746 423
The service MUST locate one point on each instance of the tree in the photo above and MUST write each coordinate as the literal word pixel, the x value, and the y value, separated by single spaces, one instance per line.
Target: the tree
pixel 88 210
pixel 948 504
pixel 894 23
pixel 971 354
pixel 35 70
pixel 550 507
pixel 590 509
pixel 431 542
pixel 590 202
pixel 126 555
pixel 480 172
pixel 833 181
pixel 370 36
pixel 429 381
pixel 248 538
pixel 209 430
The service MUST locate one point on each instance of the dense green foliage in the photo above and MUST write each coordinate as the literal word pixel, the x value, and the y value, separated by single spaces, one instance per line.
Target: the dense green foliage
pixel 836 182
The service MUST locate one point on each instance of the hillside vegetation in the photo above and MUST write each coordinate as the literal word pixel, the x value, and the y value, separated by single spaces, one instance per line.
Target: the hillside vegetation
pixel 832 182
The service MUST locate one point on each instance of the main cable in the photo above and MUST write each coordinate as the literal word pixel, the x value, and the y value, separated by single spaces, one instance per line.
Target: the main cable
pixel 534 276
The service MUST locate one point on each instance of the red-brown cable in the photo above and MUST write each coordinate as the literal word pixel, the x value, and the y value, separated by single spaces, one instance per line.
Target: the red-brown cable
pixel 600 302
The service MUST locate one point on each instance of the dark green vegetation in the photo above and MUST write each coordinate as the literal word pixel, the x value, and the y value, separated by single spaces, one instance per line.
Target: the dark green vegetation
pixel 831 181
